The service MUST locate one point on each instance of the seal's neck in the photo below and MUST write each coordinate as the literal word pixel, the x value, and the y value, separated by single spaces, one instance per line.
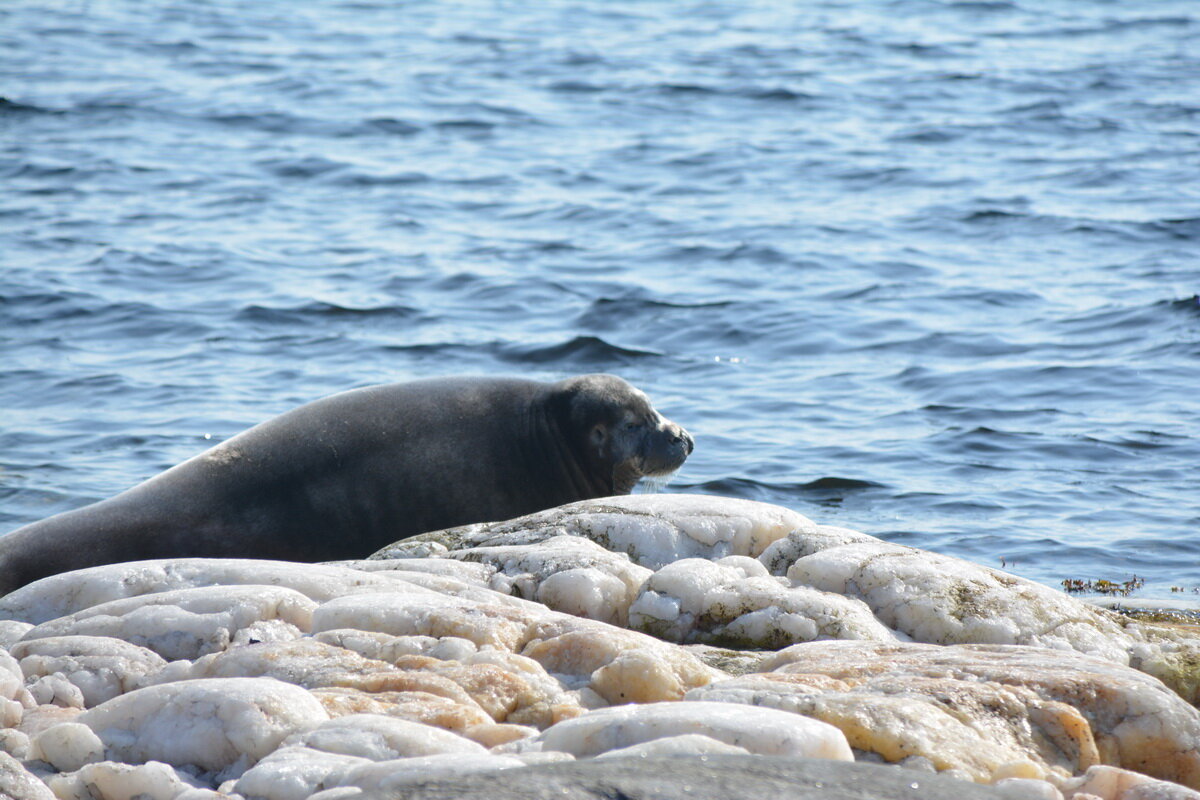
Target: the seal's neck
pixel 581 478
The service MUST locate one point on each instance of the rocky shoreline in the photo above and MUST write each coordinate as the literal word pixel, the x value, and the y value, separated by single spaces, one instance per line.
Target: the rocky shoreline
pixel 574 645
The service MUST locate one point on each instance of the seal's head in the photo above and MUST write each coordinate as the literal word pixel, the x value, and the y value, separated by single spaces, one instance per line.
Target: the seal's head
pixel 618 434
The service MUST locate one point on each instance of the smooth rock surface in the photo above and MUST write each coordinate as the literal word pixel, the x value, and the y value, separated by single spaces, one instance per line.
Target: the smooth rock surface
pixel 102 667
pixel 762 731
pixel 211 724
pixel 18 783
pixel 189 623
pixel 728 777
pixel 653 530
pixel 1086 709
pixel 735 603
pixel 61 595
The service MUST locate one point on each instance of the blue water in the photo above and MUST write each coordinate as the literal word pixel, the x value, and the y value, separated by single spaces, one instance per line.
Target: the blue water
pixel 924 268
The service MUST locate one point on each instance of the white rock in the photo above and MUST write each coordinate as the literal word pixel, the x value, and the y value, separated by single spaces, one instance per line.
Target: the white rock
pixel 417 705
pixel 19 783
pixel 312 664
pixel 14 742
pixel 11 631
pixel 69 592
pixel 397 614
pixel 187 623
pixel 12 680
pixel 762 731
pixel 67 747
pixel 688 744
pixel 1027 789
pixel 101 667
pixel 804 541
pixel 652 529
pixel 55 689
pixel 616 665
pixel 474 573
pixel 1056 707
pixel 339 793
pixel 384 777
pixel 385 647
pixel 211 724
pixel 36 719
pixel 381 738
pixel 533 757
pixel 1113 783
pixel 565 573
pixel 109 780
pixel 735 604
pixel 294 773
pixel 944 600
pixel 201 793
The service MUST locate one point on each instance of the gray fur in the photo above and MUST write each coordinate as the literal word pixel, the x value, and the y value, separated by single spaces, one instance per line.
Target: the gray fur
pixel 343 476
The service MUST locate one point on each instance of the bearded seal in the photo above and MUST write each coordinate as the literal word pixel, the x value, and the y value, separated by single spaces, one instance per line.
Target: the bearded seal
pixel 343 476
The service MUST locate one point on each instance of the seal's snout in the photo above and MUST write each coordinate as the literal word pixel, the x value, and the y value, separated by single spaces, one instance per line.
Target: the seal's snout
pixel 680 436
pixel 676 444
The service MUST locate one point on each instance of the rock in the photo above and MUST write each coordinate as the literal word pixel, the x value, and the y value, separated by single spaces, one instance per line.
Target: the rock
pixel 212 724
pixel 295 773
pixel 10 631
pixel 653 530
pixel 618 666
pixel 944 600
pixel 381 738
pixel 68 593
pixel 1027 789
pixel 730 777
pixel 188 623
pixel 313 665
pixel 735 603
pixel 762 731
pixel 478 574
pixel 565 573
pixel 39 718
pixel 621 666
pixel 109 780
pixel 15 743
pixel 56 690
pixel 418 706
pixel 978 707
pixel 371 679
pixel 384 777
pixel 686 744
pixel 523 698
pixel 67 746
pixel 384 647
pixel 1111 783
pixel 18 783
pixel 499 625
pixel 101 667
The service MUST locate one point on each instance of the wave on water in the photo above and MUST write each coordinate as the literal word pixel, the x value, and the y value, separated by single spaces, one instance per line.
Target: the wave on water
pixel 932 280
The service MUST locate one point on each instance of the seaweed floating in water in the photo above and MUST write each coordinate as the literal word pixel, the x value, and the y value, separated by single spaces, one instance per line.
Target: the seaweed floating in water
pixel 1102 586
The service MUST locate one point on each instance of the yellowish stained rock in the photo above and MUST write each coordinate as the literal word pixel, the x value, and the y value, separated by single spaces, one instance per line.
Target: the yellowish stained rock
pixel 1136 722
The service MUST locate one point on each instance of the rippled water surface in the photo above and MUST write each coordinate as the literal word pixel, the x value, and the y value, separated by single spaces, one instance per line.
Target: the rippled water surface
pixel 923 268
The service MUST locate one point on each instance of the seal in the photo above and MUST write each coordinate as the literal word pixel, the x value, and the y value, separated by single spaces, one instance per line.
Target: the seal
pixel 343 476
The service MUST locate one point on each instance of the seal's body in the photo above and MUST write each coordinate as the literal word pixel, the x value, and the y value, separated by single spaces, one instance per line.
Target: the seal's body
pixel 343 476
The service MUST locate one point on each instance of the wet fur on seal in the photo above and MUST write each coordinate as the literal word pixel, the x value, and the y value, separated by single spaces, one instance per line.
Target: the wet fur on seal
pixel 343 476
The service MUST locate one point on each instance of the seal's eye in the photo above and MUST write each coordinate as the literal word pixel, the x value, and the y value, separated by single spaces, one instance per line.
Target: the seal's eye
pixel 632 426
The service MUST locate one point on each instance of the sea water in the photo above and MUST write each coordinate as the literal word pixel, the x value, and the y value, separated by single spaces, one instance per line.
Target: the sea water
pixel 923 268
